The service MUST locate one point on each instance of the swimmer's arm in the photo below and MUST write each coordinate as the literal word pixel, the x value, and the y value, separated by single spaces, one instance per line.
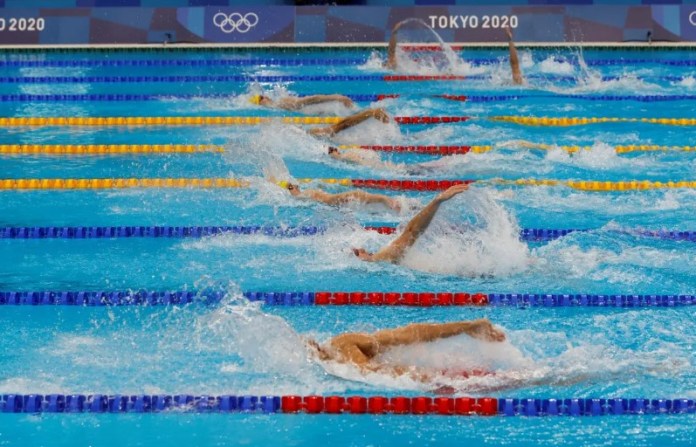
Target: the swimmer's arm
pixel 391 50
pixel 427 332
pixel 361 196
pixel 351 121
pixel 355 348
pixel 517 78
pixel 416 227
pixel 319 99
pixel 391 53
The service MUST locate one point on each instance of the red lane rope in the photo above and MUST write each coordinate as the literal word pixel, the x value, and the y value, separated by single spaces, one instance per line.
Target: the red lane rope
pixel 430 119
pixel 437 150
pixel 423 78
pixel 408 185
pixel 484 406
pixel 422 299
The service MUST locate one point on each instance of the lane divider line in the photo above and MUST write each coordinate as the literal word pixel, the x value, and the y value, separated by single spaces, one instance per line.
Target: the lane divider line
pixel 464 149
pixel 112 232
pixel 112 149
pixel 313 404
pixel 287 62
pixel 100 298
pixel 118 183
pixel 383 184
pixel 120 97
pixel 256 120
pixel 102 149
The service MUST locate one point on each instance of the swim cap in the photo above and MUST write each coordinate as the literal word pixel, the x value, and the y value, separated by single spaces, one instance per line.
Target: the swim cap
pixel 255 99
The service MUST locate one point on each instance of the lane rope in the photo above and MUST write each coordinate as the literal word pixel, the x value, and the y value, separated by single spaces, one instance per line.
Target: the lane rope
pixel 255 120
pixel 92 298
pixel 99 149
pixel 313 404
pixel 115 183
pixel 109 232
pixel 579 121
pixel 164 120
pixel 290 62
pixel 459 149
pixel 119 97
pixel 294 78
pixel 221 78
pixel 395 185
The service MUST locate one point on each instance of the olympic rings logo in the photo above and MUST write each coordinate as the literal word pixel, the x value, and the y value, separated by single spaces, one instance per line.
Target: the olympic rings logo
pixel 235 22
pixel 692 18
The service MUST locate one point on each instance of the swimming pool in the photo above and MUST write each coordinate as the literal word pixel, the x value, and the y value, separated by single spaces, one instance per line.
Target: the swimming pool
pixel 240 348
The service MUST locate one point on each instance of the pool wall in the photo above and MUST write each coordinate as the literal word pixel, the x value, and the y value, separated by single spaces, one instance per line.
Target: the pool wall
pixel 212 21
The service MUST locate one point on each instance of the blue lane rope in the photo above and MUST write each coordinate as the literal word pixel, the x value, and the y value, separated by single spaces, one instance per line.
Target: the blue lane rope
pixel 259 78
pixel 283 62
pixel 146 403
pixel 185 62
pixel 183 78
pixel 99 232
pixel 22 97
pixel 307 298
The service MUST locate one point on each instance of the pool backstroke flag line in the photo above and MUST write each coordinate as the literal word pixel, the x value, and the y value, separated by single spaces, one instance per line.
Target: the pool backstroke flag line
pixel 340 24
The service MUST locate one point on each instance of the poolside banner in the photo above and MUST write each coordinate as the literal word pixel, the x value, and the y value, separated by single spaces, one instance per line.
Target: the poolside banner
pixel 340 24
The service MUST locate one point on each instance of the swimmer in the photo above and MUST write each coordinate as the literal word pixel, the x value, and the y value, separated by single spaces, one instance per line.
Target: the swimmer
pixel 343 198
pixel 517 78
pixel 372 160
pixel 362 349
pixel 391 49
pixel 351 121
pixel 396 250
pixel 297 103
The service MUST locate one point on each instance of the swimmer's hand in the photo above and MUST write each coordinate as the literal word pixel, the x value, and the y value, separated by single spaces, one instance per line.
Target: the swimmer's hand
pixel 380 114
pixel 452 191
pixel 484 330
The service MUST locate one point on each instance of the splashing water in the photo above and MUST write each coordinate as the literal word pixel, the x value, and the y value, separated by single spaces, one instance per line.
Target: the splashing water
pixel 488 245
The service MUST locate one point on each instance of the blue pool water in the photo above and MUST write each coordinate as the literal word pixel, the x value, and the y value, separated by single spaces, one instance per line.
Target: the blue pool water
pixel 235 347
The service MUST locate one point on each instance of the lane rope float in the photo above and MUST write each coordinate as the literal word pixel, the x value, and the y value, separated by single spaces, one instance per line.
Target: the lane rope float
pixel 163 120
pixel 283 62
pixel 580 121
pixel 92 298
pixel 115 183
pixel 313 404
pixel 111 232
pixel 463 149
pixel 99 149
pixel 255 120
pixel 294 78
pixel 120 97
pixel 395 185
pixel 222 78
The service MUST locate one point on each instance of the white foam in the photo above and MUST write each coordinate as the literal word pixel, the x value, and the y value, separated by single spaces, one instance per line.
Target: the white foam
pixel 489 245
pixel 555 66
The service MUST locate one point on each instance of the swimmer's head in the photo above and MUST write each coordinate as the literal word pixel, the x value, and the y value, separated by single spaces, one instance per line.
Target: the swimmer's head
pixel 318 351
pixel 260 100
pixel 293 188
pixel 333 151
pixel 362 254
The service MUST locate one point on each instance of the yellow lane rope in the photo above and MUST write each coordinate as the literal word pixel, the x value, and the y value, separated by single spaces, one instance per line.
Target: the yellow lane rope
pixel 111 183
pixel 163 121
pixel 99 149
pixel 254 120
pixel 573 121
